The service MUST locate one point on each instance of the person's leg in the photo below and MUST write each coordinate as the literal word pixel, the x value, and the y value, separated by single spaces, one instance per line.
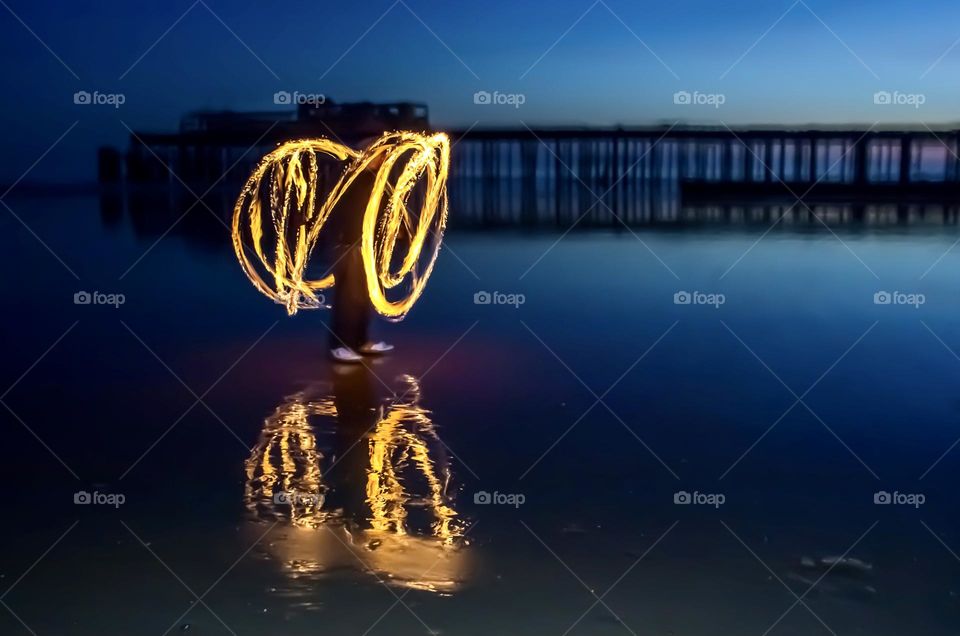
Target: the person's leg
pixel 351 306
pixel 338 310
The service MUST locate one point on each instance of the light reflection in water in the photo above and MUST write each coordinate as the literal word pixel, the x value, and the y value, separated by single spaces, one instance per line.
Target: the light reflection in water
pixel 355 481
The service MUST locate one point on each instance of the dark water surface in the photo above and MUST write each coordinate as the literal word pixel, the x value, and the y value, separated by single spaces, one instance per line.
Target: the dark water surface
pixel 599 401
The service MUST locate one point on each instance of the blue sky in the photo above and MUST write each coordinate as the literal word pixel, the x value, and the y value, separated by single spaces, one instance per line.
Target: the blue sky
pixel 822 63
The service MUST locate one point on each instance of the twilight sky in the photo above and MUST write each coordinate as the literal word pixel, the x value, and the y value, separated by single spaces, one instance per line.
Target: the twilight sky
pixel 571 61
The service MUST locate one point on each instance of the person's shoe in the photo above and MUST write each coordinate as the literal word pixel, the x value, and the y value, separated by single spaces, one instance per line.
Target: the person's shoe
pixel 345 354
pixel 376 348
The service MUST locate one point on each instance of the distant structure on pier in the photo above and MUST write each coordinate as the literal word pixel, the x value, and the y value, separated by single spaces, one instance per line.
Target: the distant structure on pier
pixel 215 146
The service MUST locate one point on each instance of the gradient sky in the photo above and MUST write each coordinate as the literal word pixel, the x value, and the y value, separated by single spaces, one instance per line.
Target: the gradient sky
pixel 805 69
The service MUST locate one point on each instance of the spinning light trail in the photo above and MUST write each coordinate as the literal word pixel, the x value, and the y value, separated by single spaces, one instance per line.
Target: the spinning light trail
pixel 280 215
pixel 407 467
pixel 399 469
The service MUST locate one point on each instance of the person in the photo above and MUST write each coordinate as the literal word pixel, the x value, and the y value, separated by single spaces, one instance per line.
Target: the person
pixel 350 322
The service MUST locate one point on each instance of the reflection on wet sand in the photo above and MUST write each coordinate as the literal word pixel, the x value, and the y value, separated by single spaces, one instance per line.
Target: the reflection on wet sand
pixel 355 481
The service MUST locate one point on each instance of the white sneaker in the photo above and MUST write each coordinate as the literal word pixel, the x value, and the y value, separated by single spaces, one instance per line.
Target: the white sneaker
pixel 376 348
pixel 345 354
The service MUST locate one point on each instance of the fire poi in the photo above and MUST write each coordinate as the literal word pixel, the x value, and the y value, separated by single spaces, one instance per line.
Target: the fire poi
pixel 280 215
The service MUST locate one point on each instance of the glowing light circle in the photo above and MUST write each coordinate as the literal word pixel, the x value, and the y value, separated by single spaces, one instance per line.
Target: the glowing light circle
pixel 293 213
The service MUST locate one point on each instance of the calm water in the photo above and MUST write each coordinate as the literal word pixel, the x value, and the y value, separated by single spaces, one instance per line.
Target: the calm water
pixel 387 534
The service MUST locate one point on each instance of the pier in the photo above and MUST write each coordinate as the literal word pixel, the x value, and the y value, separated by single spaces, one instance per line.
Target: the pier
pixel 592 176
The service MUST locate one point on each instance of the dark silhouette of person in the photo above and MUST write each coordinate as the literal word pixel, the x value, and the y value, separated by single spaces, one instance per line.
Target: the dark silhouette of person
pixel 352 310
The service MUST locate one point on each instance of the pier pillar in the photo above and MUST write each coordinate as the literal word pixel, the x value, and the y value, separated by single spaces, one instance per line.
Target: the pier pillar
pixel 906 158
pixel 748 160
pixel 768 170
pixel 528 171
pixel 584 167
pixel 558 171
pixel 812 169
pixel 486 163
pixel 780 145
pixel 797 172
pixel 861 153
pixel 109 165
pixel 726 162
